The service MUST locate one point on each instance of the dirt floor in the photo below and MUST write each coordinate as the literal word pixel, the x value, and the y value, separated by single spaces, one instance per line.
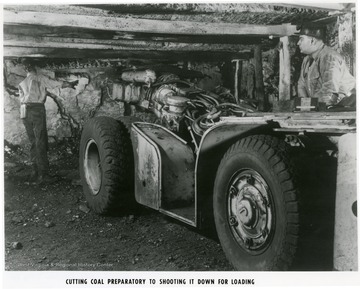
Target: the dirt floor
pixel 51 228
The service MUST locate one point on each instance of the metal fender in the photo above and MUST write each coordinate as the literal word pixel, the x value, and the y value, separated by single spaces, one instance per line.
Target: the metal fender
pixel 213 145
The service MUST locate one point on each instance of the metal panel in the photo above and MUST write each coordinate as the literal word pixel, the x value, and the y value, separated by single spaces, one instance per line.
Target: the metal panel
pixel 226 130
pixel 147 169
pixel 169 163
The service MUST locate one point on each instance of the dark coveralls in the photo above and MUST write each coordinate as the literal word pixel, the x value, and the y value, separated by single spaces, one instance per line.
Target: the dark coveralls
pixel 32 92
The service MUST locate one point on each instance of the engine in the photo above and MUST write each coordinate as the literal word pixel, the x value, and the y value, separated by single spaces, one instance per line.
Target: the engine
pixel 174 101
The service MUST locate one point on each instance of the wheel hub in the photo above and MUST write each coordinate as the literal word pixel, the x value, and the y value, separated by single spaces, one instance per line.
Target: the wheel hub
pixel 250 212
pixel 247 212
pixel 92 167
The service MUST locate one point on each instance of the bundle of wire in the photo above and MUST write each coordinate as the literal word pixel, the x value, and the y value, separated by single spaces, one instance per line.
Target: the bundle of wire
pixel 204 111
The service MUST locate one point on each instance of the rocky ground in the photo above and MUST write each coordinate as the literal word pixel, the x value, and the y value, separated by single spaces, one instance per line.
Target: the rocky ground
pixel 51 228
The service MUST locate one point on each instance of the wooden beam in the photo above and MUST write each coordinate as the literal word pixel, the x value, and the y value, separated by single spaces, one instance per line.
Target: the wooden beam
pixel 250 78
pixel 285 70
pixel 316 6
pixel 70 32
pixel 113 23
pixel 237 76
pixel 12 40
pixel 259 80
pixel 72 53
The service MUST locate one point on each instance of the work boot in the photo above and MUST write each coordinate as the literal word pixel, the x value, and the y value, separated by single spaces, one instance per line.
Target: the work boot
pixel 46 179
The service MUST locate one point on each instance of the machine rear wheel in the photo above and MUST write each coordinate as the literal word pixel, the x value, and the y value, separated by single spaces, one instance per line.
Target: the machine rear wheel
pixel 256 206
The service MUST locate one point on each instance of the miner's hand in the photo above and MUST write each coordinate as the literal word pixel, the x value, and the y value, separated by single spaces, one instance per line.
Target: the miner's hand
pixel 74 83
pixel 70 84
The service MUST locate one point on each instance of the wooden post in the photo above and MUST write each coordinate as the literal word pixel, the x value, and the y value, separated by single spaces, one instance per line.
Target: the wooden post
pixel 259 81
pixel 237 75
pixel 285 70
pixel 227 74
pixel 250 79
pixel 346 42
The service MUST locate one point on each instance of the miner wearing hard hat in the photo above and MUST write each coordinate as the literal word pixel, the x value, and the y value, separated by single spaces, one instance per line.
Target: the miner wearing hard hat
pixel 324 73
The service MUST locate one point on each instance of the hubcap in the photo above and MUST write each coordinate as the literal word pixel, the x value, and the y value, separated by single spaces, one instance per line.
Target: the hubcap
pixel 92 167
pixel 250 211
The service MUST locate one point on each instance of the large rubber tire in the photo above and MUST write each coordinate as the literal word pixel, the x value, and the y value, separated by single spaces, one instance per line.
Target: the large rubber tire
pixel 256 205
pixel 106 165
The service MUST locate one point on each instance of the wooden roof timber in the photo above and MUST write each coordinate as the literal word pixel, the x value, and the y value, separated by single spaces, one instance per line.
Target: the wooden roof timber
pixel 246 13
pixel 212 7
pixel 11 40
pixel 86 33
pixel 144 25
pixel 145 9
pixel 333 7
pixel 66 30
pixel 73 53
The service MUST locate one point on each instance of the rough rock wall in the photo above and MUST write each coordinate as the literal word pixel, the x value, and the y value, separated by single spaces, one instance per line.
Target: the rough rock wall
pixel 67 109
pixel 213 77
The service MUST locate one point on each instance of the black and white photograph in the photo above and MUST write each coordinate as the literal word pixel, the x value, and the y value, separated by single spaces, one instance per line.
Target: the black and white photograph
pixel 179 144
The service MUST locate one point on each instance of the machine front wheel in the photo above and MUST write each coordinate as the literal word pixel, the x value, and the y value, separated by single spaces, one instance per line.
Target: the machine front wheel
pixel 256 205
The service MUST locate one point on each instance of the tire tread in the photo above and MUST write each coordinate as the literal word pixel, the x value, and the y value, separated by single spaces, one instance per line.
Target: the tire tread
pixel 117 163
pixel 276 152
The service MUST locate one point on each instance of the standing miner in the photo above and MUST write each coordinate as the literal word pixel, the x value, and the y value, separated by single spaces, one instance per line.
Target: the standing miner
pixel 32 93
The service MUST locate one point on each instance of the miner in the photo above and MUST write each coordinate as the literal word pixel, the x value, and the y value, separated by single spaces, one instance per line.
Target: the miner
pixel 324 73
pixel 32 94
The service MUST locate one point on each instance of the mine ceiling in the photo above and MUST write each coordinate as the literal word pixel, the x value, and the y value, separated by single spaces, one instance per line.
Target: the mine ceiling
pixel 160 32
